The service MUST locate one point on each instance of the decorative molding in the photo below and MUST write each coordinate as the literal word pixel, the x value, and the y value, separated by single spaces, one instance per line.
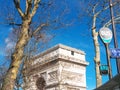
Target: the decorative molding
pixel 57 47
pixel 57 56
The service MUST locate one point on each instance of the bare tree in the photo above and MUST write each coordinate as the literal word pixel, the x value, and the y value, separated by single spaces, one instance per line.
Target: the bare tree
pixel 30 30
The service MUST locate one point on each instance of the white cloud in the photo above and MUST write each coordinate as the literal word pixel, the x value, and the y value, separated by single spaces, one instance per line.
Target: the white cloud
pixel 11 28
pixel 7 40
pixel 9 44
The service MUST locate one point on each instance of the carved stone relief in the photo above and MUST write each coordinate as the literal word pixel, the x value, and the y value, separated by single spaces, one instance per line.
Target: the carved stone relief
pixel 52 76
pixel 76 77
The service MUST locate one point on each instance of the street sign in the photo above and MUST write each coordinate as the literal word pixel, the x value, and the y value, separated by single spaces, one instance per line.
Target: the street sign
pixel 105 34
pixel 103 69
pixel 115 53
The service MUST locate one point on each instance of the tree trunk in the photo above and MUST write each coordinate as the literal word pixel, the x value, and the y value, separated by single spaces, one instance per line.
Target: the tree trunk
pixel 17 56
pixel 97 52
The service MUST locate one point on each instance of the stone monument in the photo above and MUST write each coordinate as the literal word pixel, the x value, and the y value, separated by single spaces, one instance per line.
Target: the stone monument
pixel 58 68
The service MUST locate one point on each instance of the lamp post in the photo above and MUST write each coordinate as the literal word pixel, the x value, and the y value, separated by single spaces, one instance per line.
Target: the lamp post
pixel 106 36
pixel 114 34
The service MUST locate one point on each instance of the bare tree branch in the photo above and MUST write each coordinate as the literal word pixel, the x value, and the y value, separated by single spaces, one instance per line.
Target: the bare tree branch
pixel 94 7
pixel 109 22
pixel 102 10
pixel 36 3
pixel 17 5
pixel 39 28
pixel 28 6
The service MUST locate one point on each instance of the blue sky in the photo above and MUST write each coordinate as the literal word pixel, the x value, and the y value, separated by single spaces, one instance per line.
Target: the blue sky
pixel 71 36
pixel 4 33
pixel 77 36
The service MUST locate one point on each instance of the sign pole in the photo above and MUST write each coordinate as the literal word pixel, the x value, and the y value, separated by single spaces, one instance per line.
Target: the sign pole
pixel 108 61
pixel 106 36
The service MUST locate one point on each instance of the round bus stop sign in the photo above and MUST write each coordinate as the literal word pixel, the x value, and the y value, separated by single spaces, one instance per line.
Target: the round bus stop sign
pixel 105 34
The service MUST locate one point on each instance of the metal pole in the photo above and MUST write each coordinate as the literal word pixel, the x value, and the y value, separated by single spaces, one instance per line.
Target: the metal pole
pixel 114 32
pixel 108 61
